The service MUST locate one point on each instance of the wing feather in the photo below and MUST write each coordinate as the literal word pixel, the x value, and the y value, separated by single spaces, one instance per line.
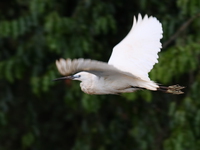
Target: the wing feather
pixel 68 67
pixel 137 52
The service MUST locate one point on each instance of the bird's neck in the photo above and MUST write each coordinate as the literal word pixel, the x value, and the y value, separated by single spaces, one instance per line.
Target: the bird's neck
pixel 88 85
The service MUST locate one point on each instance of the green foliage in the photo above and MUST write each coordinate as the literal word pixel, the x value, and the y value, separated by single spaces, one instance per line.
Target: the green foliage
pixel 189 7
pixel 183 59
pixel 36 113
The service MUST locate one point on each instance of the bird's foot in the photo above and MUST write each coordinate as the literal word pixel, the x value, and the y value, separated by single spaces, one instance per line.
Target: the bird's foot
pixel 173 89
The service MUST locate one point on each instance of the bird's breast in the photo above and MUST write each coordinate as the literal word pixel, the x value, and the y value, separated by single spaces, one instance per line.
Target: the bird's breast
pixel 87 88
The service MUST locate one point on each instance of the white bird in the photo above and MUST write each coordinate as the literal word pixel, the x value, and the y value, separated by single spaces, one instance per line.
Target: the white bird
pixel 128 67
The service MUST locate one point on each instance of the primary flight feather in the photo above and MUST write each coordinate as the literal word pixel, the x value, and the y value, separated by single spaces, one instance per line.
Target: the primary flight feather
pixel 128 67
pixel 138 51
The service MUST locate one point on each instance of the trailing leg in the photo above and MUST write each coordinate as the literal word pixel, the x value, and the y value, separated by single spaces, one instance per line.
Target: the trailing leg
pixel 174 89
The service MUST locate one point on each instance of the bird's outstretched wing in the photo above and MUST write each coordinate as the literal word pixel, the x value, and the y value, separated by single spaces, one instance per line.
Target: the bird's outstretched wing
pixel 137 52
pixel 68 67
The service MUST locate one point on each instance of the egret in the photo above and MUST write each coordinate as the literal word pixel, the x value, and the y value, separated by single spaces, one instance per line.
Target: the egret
pixel 128 67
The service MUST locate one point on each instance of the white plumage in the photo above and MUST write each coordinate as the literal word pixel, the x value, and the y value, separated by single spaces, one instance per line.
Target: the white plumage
pixel 128 67
pixel 137 52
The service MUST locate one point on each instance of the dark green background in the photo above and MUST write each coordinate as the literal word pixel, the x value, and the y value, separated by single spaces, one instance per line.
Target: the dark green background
pixel 38 114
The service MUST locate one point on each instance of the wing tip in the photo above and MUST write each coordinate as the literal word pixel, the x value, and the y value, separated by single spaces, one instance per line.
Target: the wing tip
pixel 61 65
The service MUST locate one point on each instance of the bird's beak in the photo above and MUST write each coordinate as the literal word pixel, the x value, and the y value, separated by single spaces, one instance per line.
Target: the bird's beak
pixel 64 78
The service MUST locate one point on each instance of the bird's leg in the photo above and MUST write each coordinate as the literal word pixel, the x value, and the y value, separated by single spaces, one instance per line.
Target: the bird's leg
pixel 139 88
pixel 174 89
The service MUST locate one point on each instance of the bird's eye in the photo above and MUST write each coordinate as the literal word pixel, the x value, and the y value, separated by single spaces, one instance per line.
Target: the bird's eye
pixel 79 76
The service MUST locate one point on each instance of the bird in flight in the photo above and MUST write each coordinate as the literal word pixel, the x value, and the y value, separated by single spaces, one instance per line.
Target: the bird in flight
pixel 128 67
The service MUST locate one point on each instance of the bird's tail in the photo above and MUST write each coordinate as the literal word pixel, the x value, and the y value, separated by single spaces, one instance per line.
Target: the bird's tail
pixel 174 89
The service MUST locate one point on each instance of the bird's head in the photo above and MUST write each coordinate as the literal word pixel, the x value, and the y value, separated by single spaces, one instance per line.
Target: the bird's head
pixel 81 76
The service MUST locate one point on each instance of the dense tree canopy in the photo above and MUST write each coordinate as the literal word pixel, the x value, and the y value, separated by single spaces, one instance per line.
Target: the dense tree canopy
pixel 38 114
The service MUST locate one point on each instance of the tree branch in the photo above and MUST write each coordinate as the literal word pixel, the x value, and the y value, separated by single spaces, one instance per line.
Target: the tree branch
pixel 181 29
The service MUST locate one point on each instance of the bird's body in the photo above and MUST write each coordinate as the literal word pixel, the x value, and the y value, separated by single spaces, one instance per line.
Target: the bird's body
pixel 106 85
pixel 128 67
